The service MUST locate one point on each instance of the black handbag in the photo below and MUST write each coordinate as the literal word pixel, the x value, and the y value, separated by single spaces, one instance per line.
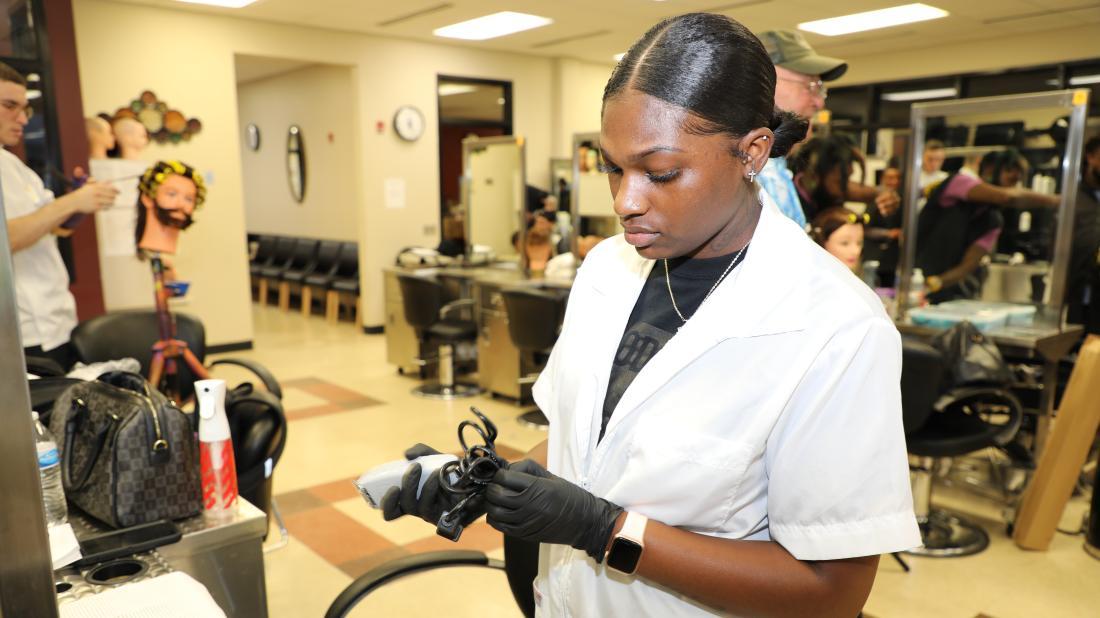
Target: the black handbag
pixel 970 359
pixel 128 454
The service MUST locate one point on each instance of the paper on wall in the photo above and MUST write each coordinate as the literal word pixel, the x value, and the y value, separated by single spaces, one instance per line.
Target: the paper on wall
pixel 395 192
pixel 115 224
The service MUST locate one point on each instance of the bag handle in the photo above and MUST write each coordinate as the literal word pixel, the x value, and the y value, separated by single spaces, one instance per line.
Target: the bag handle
pixel 78 412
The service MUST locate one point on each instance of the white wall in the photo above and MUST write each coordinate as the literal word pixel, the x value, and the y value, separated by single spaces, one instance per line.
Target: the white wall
pixel 578 98
pixel 316 99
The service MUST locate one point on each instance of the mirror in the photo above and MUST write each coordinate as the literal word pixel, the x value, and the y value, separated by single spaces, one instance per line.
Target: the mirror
pixel 493 188
pixel 592 208
pixel 1030 141
pixel 296 163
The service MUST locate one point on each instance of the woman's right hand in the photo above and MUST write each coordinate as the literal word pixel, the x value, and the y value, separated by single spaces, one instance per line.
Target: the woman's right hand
pixel 433 500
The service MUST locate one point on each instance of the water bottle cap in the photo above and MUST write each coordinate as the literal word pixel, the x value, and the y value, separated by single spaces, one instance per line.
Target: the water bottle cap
pixel 34 415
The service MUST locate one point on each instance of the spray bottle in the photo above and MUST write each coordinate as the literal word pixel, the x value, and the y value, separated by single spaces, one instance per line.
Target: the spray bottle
pixel 219 469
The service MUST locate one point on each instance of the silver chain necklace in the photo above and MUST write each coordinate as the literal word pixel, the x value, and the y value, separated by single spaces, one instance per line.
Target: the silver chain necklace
pixel 668 282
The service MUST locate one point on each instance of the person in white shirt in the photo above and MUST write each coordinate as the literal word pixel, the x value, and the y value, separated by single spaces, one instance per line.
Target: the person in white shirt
pixel 931 162
pixel 725 414
pixel 47 311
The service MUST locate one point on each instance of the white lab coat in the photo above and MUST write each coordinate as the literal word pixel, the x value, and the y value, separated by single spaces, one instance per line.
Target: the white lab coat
pixel 47 311
pixel 773 414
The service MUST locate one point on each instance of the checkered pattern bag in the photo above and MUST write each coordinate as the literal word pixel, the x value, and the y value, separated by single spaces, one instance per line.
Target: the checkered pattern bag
pixel 128 454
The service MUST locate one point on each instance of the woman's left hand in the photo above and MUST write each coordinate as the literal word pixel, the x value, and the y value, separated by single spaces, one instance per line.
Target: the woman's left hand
pixel 528 502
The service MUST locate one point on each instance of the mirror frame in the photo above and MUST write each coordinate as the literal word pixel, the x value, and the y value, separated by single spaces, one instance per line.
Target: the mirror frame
pixel 294 134
pixel 469 145
pixel 574 187
pixel 1075 103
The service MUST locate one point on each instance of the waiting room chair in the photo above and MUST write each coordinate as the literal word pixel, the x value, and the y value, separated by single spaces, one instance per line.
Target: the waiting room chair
pixel 344 284
pixel 534 320
pixel 520 565
pixel 943 424
pixel 302 263
pixel 280 259
pixel 324 271
pixel 428 313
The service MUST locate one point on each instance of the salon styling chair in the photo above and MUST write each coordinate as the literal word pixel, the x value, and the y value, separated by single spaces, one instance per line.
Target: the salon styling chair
pixel 280 256
pixel 520 566
pixel 257 425
pixel 344 283
pixel 429 313
pixel 303 263
pixel 534 320
pixel 941 424
pixel 324 270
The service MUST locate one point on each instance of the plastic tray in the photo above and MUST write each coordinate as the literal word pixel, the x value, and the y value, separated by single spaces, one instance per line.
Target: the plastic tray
pixel 937 316
pixel 1017 314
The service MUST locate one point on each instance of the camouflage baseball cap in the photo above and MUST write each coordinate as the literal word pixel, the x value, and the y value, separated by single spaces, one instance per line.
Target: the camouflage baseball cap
pixel 789 50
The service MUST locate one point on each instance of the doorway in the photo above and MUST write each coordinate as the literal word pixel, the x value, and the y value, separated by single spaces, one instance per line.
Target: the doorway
pixel 467 106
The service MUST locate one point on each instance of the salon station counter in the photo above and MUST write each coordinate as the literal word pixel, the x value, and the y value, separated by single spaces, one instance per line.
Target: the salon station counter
pixel 226 557
pixel 500 364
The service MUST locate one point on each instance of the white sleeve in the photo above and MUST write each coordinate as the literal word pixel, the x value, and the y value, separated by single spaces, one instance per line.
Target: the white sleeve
pixel 838 472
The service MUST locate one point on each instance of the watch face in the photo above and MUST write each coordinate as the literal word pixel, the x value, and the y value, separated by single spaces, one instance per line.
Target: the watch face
pixel 624 555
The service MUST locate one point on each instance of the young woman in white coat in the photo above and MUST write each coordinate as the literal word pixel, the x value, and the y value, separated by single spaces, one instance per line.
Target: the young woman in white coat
pixel 725 416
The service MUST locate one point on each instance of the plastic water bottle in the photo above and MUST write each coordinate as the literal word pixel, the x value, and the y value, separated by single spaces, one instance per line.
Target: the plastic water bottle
pixel 916 288
pixel 219 468
pixel 49 471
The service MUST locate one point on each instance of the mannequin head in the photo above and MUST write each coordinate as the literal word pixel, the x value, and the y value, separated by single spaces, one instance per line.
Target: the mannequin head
pixel 170 192
pixel 840 232
pixel 100 137
pixel 131 136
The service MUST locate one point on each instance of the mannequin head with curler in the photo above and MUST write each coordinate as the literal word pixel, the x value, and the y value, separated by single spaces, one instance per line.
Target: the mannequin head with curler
pixel 170 192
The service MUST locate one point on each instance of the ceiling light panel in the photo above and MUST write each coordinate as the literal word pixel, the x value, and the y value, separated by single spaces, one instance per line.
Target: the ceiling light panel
pixel 920 95
pixel 873 20
pixel 492 26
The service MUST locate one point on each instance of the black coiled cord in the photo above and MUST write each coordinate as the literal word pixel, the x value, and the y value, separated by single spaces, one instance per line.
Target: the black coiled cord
pixel 469 475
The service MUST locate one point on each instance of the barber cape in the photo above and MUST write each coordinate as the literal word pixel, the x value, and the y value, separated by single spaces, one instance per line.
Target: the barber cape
pixel 773 414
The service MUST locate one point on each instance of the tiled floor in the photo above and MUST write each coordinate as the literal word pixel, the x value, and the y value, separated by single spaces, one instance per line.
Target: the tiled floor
pixel 349 410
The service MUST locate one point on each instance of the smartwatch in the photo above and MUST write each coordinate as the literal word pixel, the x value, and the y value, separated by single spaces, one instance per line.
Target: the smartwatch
pixel 626 547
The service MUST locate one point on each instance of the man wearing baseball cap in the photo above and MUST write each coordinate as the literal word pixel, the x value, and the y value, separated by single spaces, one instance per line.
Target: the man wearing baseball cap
pixel 800 74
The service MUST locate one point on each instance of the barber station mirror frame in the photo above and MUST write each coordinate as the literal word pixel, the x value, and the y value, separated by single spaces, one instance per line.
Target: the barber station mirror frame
pixel 575 193
pixel 296 172
pixel 1072 102
pixel 473 144
pixel 26 581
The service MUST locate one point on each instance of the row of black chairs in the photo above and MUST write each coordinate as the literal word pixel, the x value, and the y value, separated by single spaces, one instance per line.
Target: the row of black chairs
pixel 307 268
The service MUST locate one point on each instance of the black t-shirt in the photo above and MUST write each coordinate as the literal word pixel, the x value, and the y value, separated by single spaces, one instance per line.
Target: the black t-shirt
pixel 654 321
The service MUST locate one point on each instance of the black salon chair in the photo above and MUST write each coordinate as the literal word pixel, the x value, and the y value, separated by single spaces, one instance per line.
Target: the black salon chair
pixel 429 312
pixel 520 566
pixel 303 262
pixel 344 284
pixel 269 271
pixel 943 424
pixel 324 271
pixel 534 320
pixel 258 427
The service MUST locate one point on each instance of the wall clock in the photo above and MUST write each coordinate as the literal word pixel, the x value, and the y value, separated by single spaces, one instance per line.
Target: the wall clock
pixel 408 122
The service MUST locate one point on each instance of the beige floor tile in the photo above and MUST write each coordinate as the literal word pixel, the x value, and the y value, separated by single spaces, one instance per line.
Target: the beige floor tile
pixel 300 583
pixel 402 530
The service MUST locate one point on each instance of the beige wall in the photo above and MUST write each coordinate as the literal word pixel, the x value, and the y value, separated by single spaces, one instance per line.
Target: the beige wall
pixel 978 55
pixel 187 59
pixel 317 100
pixel 578 97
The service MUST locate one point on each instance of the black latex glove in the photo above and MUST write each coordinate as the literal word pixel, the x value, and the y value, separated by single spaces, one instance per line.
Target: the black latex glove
pixel 527 502
pixel 433 499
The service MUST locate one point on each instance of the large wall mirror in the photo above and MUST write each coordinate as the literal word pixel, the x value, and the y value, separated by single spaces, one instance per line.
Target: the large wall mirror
pixel 296 163
pixel 493 187
pixel 591 203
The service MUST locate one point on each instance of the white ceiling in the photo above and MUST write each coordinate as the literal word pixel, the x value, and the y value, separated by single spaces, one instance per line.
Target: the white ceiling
pixel 595 30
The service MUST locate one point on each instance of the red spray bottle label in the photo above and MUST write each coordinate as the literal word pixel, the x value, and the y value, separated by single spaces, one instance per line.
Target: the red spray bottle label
pixel 219 468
